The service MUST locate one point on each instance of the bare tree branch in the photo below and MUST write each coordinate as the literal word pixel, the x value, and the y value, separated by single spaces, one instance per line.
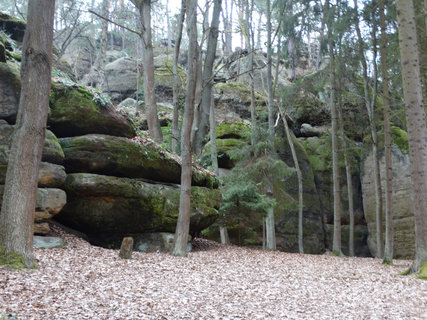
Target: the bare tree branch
pixel 117 24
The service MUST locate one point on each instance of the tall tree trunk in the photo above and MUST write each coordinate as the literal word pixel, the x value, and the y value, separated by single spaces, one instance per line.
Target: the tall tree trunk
pixel 351 252
pixel 144 7
pixel 207 82
pixel 175 85
pixel 227 17
pixel 252 76
pixel 19 199
pixel 370 107
pixel 416 121
pixel 102 58
pixel 388 191
pixel 336 242
pixel 183 224
pixel 270 224
pixel 300 185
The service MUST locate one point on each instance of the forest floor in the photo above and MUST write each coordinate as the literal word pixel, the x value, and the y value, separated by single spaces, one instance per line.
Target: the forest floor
pixel 81 281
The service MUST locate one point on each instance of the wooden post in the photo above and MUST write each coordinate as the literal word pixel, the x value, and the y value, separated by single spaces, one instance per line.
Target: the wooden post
pixel 126 248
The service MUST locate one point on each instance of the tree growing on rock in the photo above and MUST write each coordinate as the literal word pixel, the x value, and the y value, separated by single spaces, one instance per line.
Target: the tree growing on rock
pixel 19 200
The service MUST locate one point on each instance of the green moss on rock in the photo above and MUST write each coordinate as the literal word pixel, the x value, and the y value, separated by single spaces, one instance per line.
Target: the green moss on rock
pixel 74 110
pixel 122 157
pixel 235 130
pixel 105 204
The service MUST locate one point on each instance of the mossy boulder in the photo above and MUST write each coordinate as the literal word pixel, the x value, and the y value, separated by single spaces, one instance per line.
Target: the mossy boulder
pixel 163 72
pixel 13 26
pixel 122 157
pixel 307 108
pixel 118 207
pixel 75 110
pixel 235 130
pixel 52 151
pixel 403 203
pixel 229 136
pixel 10 89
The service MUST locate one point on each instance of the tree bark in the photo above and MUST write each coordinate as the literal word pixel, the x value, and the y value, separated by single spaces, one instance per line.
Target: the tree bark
pixel 300 185
pixel 336 242
pixel 103 52
pixel 388 191
pixel 416 122
pixel 207 81
pixel 175 85
pixel 17 214
pixel 227 17
pixel 370 107
pixel 144 7
pixel 270 224
pixel 183 224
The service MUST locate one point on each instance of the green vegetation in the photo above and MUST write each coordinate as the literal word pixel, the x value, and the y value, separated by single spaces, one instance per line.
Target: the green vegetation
pixel 11 260
pixel 423 271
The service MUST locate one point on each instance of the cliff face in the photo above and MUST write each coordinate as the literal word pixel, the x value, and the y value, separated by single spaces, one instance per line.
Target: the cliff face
pixel 403 210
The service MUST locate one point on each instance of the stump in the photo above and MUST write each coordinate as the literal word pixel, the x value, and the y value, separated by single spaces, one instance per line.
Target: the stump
pixel 126 248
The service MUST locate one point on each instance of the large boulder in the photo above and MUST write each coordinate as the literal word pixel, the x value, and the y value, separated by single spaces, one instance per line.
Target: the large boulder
pixel 52 151
pixel 10 89
pixel 49 202
pixel 117 156
pixel 75 110
pixel 121 78
pixel 105 207
pixel 403 209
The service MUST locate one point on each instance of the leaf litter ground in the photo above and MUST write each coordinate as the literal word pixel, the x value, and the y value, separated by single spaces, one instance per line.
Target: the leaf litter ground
pixel 81 281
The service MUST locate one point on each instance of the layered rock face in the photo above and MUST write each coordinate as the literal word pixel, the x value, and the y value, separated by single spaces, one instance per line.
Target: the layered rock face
pixel 98 177
pixel 106 208
pixel 117 186
pixel 51 197
pixel 403 210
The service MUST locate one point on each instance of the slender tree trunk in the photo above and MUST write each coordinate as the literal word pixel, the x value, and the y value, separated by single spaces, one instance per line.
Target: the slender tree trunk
pixel 336 242
pixel 227 17
pixel 19 199
pixel 207 82
pixel 342 139
pixel 252 76
pixel 416 121
pixel 183 224
pixel 388 191
pixel 144 7
pixel 300 185
pixel 270 224
pixel 175 85
pixel 214 152
pixel 351 252
pixel 370 107
pixel 102 58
